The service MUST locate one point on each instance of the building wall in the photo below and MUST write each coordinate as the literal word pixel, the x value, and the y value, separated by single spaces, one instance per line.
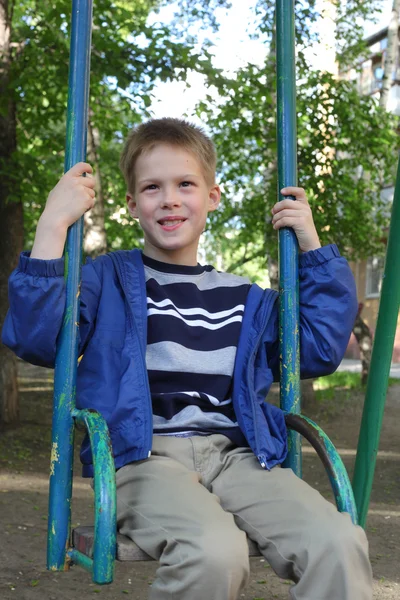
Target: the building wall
pixel 369 312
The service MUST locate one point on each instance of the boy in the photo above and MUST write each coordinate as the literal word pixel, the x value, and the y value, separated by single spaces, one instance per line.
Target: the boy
pixel 179 358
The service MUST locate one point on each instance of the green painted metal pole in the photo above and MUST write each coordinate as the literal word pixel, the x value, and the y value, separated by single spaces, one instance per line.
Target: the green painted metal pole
pixel 67 344
pixel 288 247
pixel 380 365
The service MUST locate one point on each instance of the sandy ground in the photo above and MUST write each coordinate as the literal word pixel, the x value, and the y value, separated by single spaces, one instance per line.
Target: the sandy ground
pixel 24 462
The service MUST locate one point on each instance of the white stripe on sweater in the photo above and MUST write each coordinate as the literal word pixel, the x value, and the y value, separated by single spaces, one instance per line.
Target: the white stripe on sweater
pixel 196 311
pixel 197 322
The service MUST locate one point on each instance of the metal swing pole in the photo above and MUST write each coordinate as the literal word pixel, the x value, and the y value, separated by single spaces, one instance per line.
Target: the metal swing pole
pixel 288 247
pixel 378 377
pixel 59 553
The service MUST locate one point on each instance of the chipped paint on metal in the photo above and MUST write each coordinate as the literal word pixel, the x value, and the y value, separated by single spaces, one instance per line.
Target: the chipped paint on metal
pixel 67 316
pixel 54 457
pixel 288 247
pixel 67 344
pixel 331 460
pixel 104 545
pixel 80 559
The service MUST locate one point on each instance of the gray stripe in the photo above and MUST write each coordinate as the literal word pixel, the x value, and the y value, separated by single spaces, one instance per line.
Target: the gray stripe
pixel 193 416
pixel 170 356
pixel 204 281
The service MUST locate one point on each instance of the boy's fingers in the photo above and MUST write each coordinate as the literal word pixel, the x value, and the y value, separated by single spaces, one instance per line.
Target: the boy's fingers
pixel 287 204
pixel 80 168
pixel 293 189
pixel 298 192
pixel 288 213
pixel 88 181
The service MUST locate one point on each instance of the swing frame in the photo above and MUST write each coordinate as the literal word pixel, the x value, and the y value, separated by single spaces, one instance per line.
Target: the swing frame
pixel 95 549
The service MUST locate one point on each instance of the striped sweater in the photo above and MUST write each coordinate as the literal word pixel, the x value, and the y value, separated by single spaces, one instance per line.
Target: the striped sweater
pixel 194 316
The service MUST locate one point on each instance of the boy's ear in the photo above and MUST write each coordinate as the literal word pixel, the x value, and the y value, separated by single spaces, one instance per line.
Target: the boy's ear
pixel 132 206
pixel 214 197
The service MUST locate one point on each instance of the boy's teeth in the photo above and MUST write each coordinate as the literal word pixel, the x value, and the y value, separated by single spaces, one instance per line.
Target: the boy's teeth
pixel 171 222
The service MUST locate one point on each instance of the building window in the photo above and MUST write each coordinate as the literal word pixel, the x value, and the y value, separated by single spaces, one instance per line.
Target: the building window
pixel 374 276
pixel 377 78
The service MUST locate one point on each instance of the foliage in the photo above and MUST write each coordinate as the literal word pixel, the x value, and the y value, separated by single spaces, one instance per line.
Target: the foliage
pixel 128 58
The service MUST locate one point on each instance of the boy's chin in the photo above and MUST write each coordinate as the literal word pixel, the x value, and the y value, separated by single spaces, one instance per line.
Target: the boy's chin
pixel 172 252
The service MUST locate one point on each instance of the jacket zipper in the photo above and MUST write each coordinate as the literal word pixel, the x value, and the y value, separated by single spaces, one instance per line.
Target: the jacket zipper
pixel 260 457
pixel 132 324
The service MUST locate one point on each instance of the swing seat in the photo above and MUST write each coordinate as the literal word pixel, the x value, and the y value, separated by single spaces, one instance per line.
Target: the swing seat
pixel 83 540
pixel 127 550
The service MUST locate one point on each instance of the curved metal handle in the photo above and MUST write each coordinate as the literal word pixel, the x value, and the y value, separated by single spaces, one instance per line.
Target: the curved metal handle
pixel 105 503
pixel 331 460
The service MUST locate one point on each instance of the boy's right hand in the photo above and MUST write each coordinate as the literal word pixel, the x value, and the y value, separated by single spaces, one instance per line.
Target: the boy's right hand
pixel 67 202
pixel 72 196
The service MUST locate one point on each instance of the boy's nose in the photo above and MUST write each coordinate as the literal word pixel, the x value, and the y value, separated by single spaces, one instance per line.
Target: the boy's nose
pixel 171 198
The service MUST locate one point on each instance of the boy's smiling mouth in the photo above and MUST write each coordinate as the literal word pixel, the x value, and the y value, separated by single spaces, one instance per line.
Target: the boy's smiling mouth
pixel 171 223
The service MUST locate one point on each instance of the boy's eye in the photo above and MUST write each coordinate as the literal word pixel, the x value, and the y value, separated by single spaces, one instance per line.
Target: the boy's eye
pixel 186 183
pixel 152 186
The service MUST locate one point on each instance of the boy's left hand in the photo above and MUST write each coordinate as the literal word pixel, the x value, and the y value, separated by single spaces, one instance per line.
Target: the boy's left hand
pixel 297 215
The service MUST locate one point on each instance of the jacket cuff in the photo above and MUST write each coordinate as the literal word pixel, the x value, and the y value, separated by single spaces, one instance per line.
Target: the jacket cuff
pixel 313 258
pixel 40 267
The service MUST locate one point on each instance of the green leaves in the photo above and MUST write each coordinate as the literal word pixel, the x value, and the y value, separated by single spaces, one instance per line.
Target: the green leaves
pixel 128 58
pixel 347 150
pixel 347 147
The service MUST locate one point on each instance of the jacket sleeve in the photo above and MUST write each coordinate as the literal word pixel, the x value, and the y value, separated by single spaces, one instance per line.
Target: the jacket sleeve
pixel 37 296
pixel 328 308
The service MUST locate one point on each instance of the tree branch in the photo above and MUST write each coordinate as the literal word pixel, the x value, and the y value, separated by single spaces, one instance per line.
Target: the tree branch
pixel 245 259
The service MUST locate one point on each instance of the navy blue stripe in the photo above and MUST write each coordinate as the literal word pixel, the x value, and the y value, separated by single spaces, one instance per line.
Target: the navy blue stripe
pixel 188 295
pixel 178 269
pixel 167 383
pixel 170 404
pixel 161 329
pixel 193 317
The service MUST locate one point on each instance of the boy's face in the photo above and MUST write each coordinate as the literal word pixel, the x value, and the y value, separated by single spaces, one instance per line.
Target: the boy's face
pixel 171 201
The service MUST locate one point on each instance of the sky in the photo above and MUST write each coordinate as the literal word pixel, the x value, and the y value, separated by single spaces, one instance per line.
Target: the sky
pixel 233 48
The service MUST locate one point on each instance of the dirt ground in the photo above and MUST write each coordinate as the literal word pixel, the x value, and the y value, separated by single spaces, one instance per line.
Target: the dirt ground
pixel 24 466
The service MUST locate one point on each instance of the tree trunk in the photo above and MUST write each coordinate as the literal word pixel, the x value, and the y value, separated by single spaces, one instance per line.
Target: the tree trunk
pixel 95 238
pixel 11 222
pixel 309 403
pixel 363 336
pixel 391 56
pixel 273 273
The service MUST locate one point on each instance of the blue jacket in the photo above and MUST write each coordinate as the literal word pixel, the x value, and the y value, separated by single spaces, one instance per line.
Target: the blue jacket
pixel 112 375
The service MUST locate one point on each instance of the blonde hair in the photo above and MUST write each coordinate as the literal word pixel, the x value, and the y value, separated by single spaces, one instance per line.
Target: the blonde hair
pixel 176 132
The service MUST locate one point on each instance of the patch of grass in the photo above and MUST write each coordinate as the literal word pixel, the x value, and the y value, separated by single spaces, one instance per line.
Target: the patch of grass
pixel 346 381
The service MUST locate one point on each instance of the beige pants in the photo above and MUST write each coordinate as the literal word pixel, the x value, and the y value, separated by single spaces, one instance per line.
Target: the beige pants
pixel 191 504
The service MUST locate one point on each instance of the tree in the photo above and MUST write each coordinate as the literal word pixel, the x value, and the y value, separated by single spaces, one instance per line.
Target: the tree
pixel 391 56
pixel 11 226
pixel 342 174
pixel 363 336
pixel 95 237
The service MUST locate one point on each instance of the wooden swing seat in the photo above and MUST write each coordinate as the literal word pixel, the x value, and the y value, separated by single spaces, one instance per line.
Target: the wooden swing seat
pixel 83 537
